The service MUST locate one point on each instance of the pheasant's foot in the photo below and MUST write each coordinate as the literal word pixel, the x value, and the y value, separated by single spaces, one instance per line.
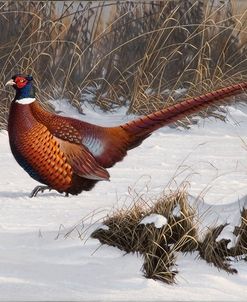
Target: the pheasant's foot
pixel 38 189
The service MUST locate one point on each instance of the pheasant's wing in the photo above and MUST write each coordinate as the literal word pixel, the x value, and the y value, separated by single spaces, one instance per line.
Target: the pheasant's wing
pixel 103 146
pixel 82 161
pixel 69 139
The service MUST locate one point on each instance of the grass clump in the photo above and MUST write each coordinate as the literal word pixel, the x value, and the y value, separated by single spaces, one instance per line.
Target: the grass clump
pixel 241 233
pixel 216 252
pixel 221 252
pixel 161 229
pixel 157 245
pixel 159 262
pixel 124 230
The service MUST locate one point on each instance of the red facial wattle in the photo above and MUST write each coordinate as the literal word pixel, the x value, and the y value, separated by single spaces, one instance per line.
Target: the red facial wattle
pixel 20 82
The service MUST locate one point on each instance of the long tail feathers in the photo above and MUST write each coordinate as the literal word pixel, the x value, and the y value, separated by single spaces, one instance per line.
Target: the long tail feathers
pixel 144 126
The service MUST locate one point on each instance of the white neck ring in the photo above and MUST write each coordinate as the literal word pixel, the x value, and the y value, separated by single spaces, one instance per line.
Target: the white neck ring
pixel 25 101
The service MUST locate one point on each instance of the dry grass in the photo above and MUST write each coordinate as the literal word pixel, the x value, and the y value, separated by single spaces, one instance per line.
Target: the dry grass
pixel 125 53
pixel 241 233
pixel 159 245
pixel 216 252
pixel 159 262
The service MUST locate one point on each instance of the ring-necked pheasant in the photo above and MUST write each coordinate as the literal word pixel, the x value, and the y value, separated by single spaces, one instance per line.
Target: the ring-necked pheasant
pixel 69 155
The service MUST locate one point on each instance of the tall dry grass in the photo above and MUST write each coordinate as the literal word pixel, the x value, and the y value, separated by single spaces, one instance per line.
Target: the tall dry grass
pixel 135 53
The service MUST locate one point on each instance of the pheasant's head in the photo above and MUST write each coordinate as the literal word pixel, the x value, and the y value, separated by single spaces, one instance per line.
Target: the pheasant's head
pixel 23 86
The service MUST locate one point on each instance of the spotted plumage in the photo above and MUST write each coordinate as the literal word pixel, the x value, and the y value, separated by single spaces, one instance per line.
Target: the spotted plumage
pixel 69 155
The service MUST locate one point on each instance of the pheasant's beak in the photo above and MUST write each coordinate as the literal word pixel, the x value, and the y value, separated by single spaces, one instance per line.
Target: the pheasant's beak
pixel 10 83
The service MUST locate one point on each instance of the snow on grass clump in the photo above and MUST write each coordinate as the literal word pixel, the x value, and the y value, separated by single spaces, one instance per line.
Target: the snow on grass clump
pixel 158 220
pixel 228 234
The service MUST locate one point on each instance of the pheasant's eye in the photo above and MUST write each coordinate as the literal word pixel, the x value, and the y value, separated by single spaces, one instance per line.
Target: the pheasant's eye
pixel 21 81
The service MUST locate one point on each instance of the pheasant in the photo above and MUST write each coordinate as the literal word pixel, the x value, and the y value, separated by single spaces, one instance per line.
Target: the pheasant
pixel 69 155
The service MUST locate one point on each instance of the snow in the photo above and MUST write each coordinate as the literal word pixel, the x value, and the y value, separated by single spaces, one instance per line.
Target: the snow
pixel 176 211
pixel 158 220
pixel 227 233
pixel 46 252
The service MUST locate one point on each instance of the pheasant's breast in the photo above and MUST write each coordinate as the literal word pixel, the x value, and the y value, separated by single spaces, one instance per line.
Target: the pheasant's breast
pixel 43 157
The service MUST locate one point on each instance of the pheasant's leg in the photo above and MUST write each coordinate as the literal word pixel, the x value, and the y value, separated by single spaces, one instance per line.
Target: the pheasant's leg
pixel 38 189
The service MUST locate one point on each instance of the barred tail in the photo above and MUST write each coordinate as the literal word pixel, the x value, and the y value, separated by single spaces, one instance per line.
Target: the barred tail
pixel 144 126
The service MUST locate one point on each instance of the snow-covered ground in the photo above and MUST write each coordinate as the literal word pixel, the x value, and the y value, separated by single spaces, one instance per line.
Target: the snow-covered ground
pixel 43 258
